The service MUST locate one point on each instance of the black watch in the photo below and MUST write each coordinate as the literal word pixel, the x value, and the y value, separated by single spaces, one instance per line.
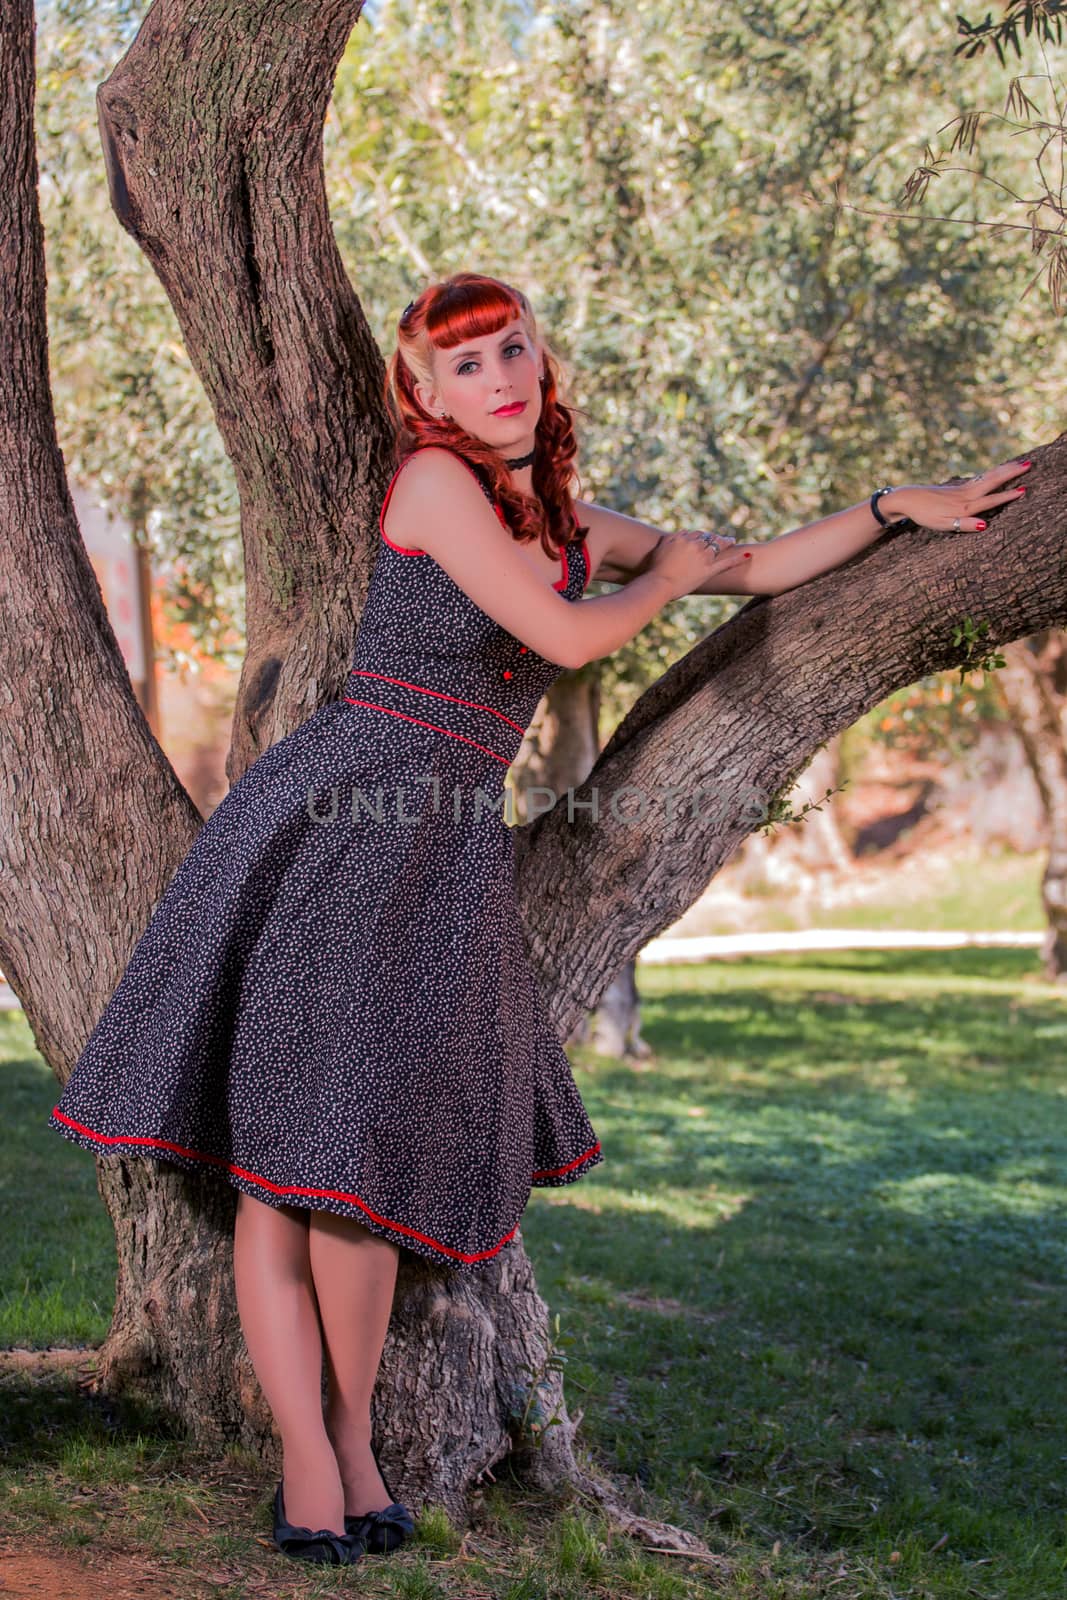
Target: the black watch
pixel 875 497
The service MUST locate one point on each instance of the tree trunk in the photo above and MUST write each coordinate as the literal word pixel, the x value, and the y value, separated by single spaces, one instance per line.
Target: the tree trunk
pixel 560 746
pixel 615 1029
pixel 212 134
pixel 1034 686
pixel 556 756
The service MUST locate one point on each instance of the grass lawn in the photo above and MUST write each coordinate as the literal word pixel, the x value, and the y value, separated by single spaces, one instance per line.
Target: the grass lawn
pixel 815 1295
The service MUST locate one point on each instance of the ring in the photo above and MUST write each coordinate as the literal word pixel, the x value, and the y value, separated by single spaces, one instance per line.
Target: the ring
pixel 707 539
pixel 955 524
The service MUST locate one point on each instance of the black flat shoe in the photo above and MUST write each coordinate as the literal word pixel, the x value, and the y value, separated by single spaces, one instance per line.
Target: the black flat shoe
pixel 325 1546
pixel 382 1531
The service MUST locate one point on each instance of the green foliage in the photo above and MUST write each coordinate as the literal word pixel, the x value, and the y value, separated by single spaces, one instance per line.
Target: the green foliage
pixel 744 353
pixel 1022 126
pixel 780 809
pixel 970 635
pixel 1041 18
pixel 531 1422
pixel 134 423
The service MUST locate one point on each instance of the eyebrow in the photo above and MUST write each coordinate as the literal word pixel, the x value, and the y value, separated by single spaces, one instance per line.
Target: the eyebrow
pixel 505 337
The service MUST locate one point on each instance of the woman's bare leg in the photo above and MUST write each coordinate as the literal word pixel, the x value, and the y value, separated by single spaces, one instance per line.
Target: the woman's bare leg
pixel 355 1276
pixel 280 1322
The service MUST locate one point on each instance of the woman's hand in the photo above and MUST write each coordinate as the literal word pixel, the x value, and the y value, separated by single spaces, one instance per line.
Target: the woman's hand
pixel 686 558
pixel 939 505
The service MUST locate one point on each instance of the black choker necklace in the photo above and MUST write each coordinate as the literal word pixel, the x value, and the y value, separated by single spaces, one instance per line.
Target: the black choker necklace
pixel 519 461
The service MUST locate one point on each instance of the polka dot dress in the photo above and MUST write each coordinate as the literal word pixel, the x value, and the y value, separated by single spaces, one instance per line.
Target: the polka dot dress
pixel 332 1005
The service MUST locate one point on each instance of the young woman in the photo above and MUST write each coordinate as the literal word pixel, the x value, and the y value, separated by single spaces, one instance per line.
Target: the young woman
pixel 332 1007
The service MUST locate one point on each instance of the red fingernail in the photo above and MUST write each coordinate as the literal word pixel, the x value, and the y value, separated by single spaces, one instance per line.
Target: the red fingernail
pixel 748 555
pixel 1022 491
pixel 981 525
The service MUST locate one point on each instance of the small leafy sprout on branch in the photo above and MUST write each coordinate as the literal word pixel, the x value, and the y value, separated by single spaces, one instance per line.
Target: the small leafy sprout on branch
pixel 779 809
pixel 971 634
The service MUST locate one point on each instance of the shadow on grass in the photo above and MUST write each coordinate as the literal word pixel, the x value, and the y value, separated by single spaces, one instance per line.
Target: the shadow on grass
pixel 817 1288
pixel 819 1281
pixel 47 1414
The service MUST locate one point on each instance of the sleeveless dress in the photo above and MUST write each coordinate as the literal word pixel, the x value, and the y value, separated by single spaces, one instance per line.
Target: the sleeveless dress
pixel 332 1005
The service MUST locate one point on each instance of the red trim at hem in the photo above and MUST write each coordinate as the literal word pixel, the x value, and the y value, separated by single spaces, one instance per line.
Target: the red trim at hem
pixel 365 672
pixel 507 760
pixel 553 1172
pixel 278 1188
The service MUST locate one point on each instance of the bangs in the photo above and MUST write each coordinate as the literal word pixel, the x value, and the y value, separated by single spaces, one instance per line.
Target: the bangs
pixel 467 311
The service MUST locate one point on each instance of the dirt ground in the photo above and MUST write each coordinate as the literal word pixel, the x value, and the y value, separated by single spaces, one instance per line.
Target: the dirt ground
pixel 36 1576
pixel 105 1572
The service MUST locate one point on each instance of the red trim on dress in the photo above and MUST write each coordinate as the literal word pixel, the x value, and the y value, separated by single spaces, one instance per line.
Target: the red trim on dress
pixel 328 1194
pixel 365 672
pixel 374 706
pixel 561 583
pixel 381 515
pixel 553 1172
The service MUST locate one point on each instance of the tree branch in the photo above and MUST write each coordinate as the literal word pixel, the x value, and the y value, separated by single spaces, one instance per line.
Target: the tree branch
pixel 211 125
pixel 743 713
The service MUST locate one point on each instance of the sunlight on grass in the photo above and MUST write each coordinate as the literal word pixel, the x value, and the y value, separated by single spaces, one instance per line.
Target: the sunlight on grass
pixel 816 1293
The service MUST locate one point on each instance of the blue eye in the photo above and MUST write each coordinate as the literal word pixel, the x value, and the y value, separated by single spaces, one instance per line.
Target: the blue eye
pixel 472 363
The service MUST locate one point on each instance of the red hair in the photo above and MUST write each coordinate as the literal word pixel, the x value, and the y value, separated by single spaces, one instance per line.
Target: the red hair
pixel 464 306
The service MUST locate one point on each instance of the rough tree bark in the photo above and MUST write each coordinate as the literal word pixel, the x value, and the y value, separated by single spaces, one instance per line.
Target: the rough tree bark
pixel 728 728
pixel 555 757
pixel 211 125
pixel 1034 686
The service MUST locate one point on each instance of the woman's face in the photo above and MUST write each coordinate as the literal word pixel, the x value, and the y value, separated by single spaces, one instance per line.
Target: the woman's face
pixel 474 379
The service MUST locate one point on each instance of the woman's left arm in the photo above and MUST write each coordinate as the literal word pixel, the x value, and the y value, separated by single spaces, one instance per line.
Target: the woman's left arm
pixel 802 553
pixel 819 546
pixel 620 548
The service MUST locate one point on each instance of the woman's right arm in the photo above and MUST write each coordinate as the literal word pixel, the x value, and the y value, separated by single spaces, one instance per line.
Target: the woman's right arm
pixel 437 506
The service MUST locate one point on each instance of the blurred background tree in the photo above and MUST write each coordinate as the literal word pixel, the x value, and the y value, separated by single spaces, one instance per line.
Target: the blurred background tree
pixel 744 353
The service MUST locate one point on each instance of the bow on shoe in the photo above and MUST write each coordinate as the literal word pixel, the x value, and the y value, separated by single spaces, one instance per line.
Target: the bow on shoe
pixel 332 1549
pixel 323 1546
pixel 381 1531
